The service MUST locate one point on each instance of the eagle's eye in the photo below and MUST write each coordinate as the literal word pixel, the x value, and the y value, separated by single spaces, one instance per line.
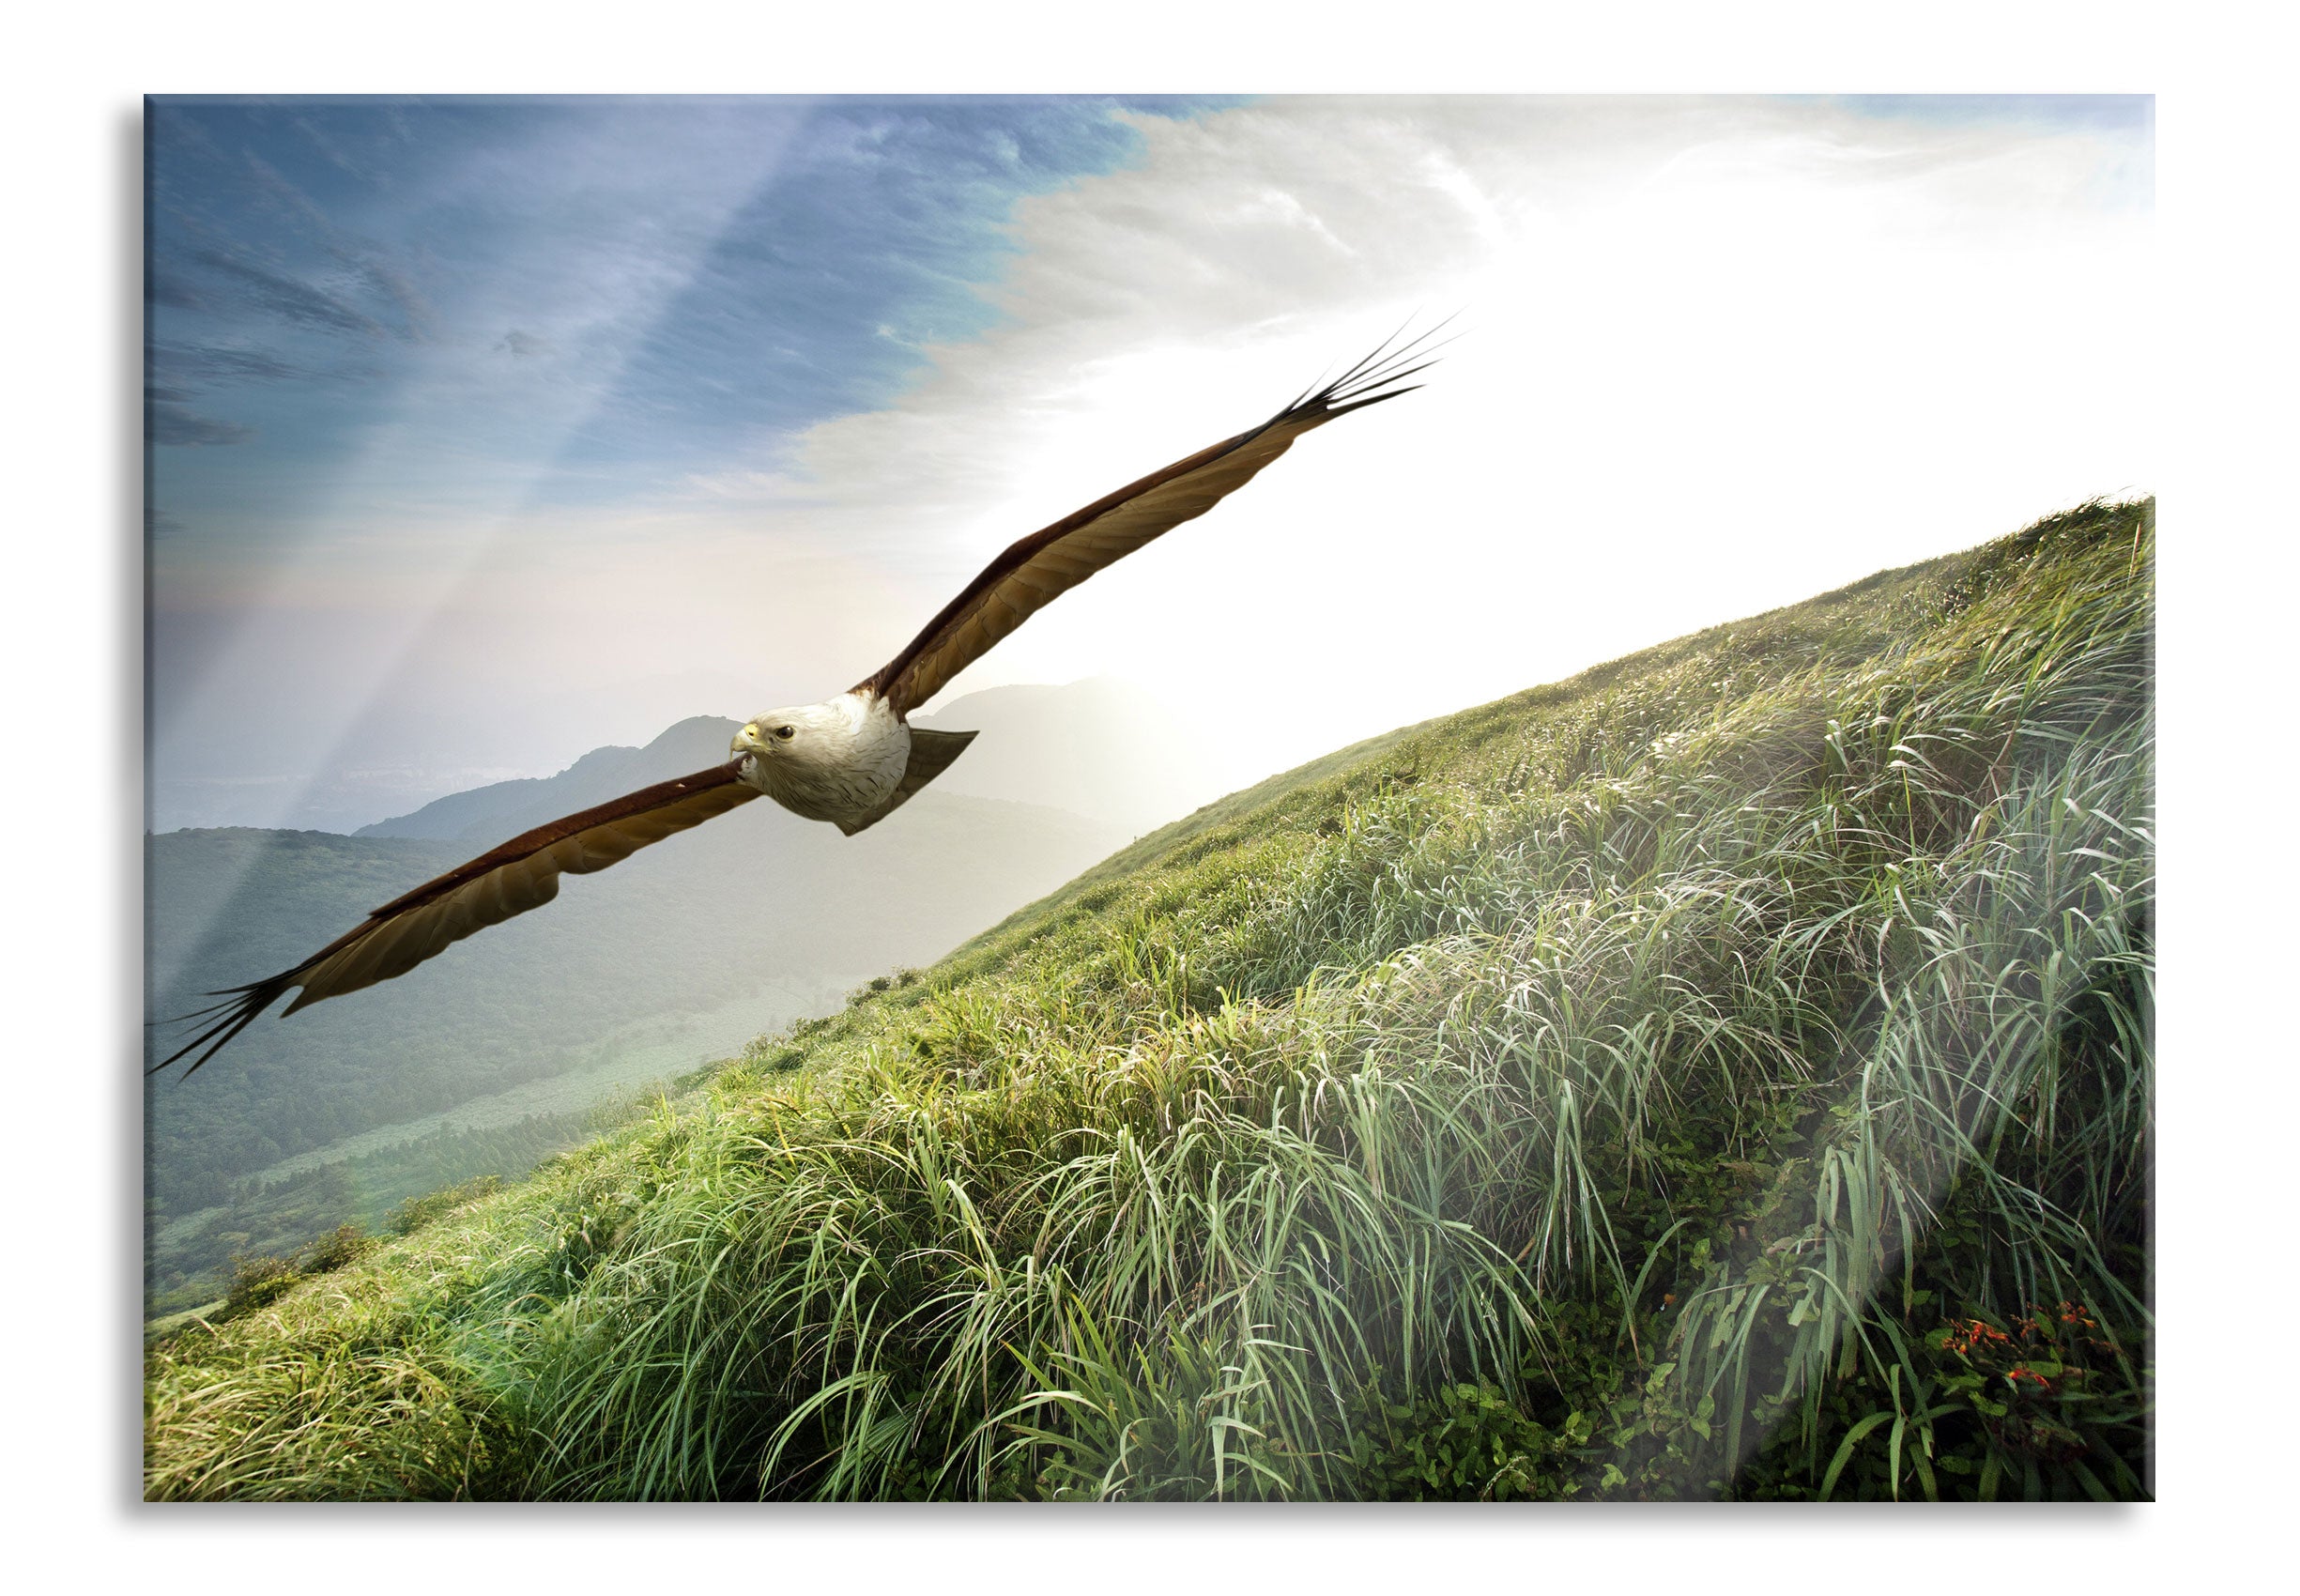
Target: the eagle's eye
pixel 783 732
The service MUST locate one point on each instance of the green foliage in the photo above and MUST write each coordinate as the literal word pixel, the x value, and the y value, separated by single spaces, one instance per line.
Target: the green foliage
pixel 258 1282
pixel 417 1212
pixel 1456 1443
pixel 260 1279
pixel 339 1247
pixel 1609 1092
pixel 1965 1411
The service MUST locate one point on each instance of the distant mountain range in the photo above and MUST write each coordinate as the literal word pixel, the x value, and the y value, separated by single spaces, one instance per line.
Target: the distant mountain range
pixel 488 815
pixel 1101 748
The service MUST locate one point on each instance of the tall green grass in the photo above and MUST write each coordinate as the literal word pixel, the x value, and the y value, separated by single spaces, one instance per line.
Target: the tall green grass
pixel 1642 1086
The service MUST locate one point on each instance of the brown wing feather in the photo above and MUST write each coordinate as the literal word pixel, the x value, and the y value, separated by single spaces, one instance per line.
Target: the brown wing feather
pixel 520 875
pixel 1036 570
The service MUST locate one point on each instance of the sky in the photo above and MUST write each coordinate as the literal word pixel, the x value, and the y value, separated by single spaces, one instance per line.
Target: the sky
pixel 485 432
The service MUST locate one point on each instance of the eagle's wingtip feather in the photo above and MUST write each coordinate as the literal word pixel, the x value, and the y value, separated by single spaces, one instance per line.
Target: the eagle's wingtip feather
pixel 1389 363
pixel 234 1015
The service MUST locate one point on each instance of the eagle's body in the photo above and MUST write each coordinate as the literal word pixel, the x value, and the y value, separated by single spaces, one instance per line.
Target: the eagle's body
pixel 851 759
pixel 837 761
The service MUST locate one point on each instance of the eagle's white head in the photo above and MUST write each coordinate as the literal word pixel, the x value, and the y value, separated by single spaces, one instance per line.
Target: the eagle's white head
pixel 824 760
pixel 803 734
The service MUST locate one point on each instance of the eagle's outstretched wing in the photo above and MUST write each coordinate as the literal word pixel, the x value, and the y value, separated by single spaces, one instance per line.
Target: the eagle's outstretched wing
pixel 524 873
pixel 1039 568
pixel 520 875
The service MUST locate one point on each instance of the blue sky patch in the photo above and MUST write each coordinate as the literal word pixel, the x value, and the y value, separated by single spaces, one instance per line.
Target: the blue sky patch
pixel 553 300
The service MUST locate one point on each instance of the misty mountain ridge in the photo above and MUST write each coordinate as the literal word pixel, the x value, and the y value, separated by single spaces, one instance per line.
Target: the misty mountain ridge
pixel 1101 749
pixel 505 808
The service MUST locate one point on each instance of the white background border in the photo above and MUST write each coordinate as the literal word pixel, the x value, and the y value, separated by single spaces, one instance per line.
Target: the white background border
pixel 2213 359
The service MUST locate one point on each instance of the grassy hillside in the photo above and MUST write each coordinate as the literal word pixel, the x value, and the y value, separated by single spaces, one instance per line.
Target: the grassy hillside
pixel 1726 1073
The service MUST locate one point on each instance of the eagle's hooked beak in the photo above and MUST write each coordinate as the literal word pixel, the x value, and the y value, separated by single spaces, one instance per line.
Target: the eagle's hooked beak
pixel 748 754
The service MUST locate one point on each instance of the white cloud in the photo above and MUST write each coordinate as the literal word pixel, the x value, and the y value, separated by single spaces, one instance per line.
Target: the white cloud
pixel 1720 355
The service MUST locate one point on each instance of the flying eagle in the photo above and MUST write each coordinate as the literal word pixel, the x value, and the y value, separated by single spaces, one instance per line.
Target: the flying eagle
pixel 851 759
